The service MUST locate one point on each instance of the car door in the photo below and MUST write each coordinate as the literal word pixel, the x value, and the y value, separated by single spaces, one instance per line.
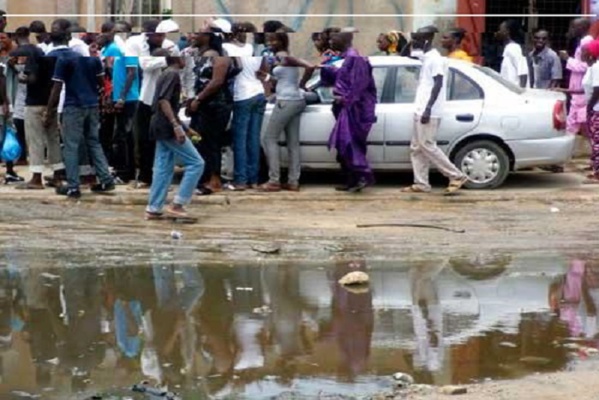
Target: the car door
pixel 317 122
pixel 399 123
pixel 463 109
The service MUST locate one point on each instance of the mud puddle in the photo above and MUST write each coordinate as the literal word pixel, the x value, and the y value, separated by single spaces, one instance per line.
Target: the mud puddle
pixel 258 332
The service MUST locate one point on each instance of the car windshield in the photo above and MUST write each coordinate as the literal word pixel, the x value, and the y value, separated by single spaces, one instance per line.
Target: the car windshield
pixel 500 79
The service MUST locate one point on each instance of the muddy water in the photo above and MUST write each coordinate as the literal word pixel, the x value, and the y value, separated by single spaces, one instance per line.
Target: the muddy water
pixel 257 332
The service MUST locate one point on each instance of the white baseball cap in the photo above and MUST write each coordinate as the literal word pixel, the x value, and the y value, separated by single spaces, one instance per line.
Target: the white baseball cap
pixel 167 26
pixel 222 24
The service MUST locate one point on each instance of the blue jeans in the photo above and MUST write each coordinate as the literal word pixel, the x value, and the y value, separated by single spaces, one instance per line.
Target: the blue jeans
pixel 164 169
pixel 247 124
pixel 81 126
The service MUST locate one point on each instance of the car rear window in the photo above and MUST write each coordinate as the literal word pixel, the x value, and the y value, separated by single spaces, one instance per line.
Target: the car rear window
pixel 499 79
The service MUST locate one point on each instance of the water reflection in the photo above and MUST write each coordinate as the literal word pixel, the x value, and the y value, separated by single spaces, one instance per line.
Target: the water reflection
pixel 68 332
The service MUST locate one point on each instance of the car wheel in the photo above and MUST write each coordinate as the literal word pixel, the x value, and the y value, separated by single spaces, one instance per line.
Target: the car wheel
pixel 486 164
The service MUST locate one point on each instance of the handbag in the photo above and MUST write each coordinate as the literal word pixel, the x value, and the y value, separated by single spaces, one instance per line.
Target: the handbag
pixel 11 149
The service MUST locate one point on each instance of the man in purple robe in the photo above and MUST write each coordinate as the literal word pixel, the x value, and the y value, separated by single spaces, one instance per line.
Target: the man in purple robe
pixel 354 109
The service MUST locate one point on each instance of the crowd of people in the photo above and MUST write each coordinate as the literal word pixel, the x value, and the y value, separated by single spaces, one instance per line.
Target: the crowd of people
pixel 102 109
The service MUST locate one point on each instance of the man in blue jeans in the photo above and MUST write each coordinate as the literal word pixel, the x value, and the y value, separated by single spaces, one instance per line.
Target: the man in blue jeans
pixel 171 142
pixel 83 79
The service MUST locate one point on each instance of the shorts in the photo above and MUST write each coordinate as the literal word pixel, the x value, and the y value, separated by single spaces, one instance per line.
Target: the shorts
pixel 577 119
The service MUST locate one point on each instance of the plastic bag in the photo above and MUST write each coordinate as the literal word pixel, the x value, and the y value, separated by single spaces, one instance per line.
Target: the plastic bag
pixel 11 149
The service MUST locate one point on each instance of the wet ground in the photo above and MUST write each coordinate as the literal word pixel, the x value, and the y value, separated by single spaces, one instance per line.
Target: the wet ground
pixel 94 299
pixel 258 332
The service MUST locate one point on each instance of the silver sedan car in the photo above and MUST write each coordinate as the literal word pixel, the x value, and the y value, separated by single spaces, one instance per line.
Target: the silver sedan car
pixel 490 126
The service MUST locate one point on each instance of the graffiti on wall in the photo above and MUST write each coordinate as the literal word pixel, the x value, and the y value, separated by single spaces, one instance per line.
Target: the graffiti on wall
pixel 304 23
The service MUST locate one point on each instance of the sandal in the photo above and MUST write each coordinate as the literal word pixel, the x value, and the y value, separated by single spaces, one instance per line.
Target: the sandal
pixel 591 181
pixel 456 185
pixel 414 189
pixel 269 187
pixel 204 191
pixel 153 216
pixel 29 186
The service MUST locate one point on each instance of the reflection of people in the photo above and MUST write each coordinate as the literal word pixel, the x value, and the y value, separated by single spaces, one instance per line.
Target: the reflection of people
pixel 353 322
pixel 427 315
pixel 570 298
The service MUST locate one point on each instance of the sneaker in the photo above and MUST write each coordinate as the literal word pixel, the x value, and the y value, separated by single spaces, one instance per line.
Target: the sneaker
pixel 69 192
pixel 12 177
pixel 103 187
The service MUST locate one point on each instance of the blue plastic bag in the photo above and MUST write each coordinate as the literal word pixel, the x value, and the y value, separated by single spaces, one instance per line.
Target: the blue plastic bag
pixel 11 149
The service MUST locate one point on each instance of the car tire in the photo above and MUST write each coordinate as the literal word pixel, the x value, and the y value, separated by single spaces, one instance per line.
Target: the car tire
pixel 498 167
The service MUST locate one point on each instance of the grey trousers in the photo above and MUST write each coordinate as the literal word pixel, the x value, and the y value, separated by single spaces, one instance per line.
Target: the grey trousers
pixel 39 138
pixel 285 117
pixel 424 152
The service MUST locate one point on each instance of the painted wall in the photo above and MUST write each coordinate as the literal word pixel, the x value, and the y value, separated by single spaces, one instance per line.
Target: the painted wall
pixel 55 7
pixel 369 27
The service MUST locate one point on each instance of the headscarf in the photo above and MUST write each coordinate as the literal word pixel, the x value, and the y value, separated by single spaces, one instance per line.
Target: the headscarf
pixel 393 37
pixel 593 49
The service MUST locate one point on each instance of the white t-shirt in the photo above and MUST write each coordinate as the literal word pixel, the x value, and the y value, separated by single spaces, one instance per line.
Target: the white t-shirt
pixel 514 64
pixel 433 64
pixel 137 46
pixel 247 85
pixel 590 82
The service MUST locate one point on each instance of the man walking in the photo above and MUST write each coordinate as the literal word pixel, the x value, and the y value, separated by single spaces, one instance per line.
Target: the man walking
pixel 544 63
pixel 171 142
pixel 430 99
pixel 354 110
pixel 83 79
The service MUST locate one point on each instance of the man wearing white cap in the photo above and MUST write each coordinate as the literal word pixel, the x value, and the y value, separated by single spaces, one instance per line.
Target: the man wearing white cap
pixel 142 46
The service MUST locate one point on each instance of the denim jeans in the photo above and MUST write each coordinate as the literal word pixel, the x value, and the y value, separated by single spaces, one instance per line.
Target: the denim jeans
pixel 164 169
pixel 247 124
pixel 82 126
pixel 123 150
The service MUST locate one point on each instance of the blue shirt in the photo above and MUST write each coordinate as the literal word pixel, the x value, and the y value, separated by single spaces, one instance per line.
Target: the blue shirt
pixel 80 76
pixel 119 73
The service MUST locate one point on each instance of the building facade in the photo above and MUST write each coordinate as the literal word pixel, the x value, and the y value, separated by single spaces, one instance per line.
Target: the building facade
pixel 307 16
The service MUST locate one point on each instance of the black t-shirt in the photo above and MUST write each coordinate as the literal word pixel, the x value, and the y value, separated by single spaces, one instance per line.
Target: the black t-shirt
pixel 38 65
pixel 168 88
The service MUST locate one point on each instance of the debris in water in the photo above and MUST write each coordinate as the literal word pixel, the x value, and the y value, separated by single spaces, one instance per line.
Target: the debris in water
pixel 355 278
pixel 462 294
pixel 402 380
pixel 26 395
pixel 508 344
pixel 454 390
pixel 176 235
pixel 267 248
pixel 554 209
pixel 538 361
pixel 244 289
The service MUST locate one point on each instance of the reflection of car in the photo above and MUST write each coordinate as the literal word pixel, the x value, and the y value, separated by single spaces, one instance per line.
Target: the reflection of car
pixel 468 307
pixel 490 126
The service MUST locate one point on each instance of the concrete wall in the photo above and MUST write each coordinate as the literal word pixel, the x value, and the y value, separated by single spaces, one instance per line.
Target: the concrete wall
pixel 369 27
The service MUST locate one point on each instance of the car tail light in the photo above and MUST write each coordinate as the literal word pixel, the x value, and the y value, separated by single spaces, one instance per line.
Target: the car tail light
pixel 559 115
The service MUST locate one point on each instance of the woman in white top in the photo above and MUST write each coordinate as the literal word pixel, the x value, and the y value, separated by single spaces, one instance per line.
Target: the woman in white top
pixel 248 111
pixel 514 66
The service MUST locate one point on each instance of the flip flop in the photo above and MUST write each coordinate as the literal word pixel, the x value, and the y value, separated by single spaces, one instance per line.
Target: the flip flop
pixel 413 189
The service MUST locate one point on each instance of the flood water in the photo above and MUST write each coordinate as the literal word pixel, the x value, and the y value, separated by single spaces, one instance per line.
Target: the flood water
pixel 259 331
